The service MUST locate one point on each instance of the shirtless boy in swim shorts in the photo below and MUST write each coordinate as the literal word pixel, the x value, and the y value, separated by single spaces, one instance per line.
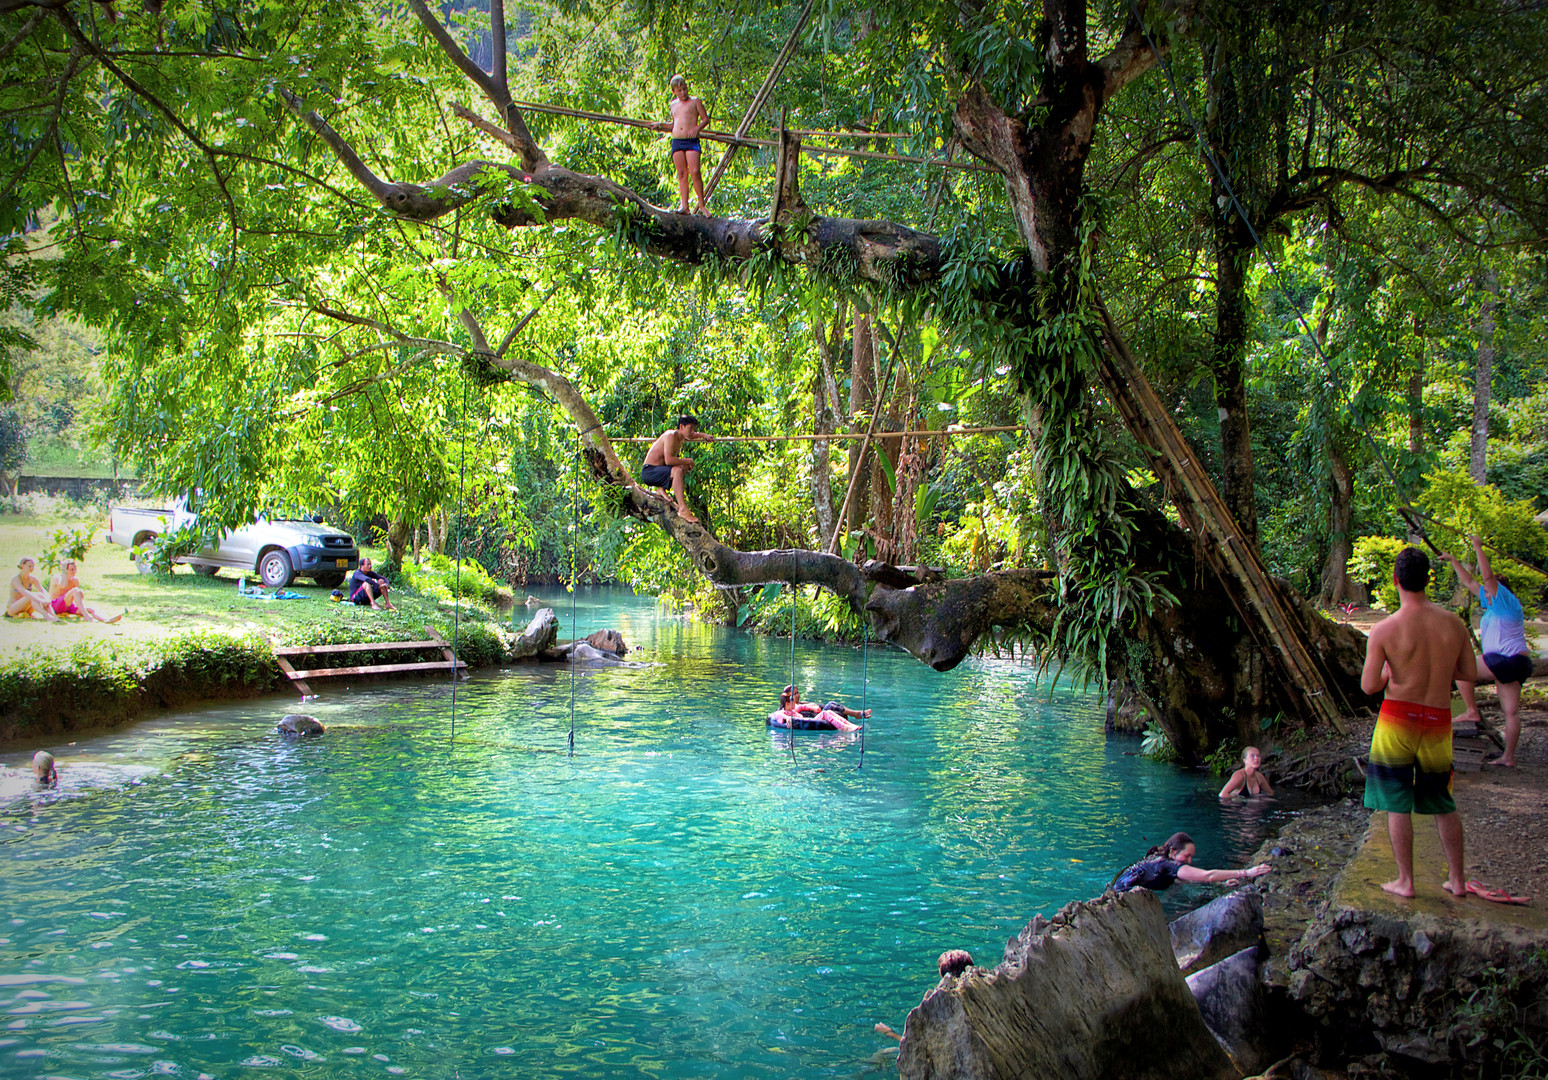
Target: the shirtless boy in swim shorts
pixel 665 469
pixel 689 117
pixel 1413 656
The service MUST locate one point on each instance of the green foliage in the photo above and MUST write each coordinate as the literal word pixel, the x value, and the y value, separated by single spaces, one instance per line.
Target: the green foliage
pixel 1157 746
pixel 1506 526
pixel 163 551
pixel 1225 759
pixel 446 580
pixel 1490 1015
pixel 13 439
pixel 1372 562
pixel 67 543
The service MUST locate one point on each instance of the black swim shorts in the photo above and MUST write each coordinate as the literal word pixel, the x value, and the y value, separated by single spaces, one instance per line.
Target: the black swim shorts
pixel 1509 669
pixel 685 144
pixel 659 476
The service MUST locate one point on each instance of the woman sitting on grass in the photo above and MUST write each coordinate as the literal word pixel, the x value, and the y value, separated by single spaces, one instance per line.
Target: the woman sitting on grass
pixel 68 598
pixel 28 597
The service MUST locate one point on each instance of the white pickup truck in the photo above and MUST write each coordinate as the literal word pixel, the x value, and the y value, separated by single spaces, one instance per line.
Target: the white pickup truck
pixel 277 550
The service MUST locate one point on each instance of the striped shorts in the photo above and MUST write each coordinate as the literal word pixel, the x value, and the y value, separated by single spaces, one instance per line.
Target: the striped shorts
pixel 1410 769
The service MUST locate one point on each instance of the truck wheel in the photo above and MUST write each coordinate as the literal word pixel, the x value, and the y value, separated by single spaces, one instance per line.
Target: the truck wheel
pixel 329 581
pixel 274 569
pixel 142 558
pixel 206 571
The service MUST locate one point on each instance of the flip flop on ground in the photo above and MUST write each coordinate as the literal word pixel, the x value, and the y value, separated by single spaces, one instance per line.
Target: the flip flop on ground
pixel 1493 895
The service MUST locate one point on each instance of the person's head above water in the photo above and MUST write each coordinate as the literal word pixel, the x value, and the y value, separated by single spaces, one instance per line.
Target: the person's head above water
pixel 1178 847
pixel 1411 570
pixel 790 695
pixel 954 962
pixel 1252 757
pixel 44 768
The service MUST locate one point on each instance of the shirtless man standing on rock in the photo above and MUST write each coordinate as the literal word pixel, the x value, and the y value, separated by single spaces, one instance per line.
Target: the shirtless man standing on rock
pixel 665 469
pixel 1413 656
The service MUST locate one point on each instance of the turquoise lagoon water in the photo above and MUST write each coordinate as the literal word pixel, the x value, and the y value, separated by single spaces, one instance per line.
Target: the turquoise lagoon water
pixel 688 895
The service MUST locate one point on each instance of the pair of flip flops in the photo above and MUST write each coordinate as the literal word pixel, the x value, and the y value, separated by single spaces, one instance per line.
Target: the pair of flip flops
pixel 1493 895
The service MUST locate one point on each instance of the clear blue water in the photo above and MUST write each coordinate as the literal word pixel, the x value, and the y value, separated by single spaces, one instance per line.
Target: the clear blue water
pixel 688 895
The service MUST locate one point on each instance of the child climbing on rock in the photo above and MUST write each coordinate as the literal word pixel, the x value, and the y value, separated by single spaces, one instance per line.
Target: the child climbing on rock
pixel 689 117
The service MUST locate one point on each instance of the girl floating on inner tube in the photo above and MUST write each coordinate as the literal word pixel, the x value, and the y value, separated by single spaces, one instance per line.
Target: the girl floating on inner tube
pixel 793 711
pixel 1173 860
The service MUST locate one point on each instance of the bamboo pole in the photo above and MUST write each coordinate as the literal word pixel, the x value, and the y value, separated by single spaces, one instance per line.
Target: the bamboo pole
pixel 876 411
pixel 1247 581
pixel 922 433
pixel 758 99
pixel 720 137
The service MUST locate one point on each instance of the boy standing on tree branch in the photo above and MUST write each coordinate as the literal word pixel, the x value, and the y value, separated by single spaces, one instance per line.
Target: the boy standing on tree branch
pixel 689 117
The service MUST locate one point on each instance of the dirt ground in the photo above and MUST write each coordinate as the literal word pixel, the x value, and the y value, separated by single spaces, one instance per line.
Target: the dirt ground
pixel 1505 811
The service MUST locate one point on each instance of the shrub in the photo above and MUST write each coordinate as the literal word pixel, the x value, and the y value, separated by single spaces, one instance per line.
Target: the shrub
pixel 1156 745
pixel 68 544
pixel 437 577
pixel 1372 562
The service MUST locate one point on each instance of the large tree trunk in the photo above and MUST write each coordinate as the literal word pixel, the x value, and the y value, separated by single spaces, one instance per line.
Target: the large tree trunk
pixel 1228 363
pixel 1335 572
pixel 1483 374
pixel 825 420
pixel 862 399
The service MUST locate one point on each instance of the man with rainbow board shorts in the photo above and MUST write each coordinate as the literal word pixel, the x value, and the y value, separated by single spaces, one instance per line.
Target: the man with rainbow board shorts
pixel 1507 658
pixel 1412 657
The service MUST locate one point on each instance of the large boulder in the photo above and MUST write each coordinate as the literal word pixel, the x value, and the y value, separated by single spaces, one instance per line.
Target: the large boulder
pixel 1231 1000
pixel 1092 994
pixel 540 635
pixel 301 726
pixel 608 641
pixel 1226 925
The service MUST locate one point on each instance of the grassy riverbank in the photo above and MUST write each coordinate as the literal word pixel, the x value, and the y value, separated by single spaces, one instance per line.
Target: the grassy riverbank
pixel 186 637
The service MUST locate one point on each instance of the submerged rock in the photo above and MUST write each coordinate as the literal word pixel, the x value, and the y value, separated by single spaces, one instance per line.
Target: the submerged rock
pixel 1226 925
pixel 301 726
pixel 1094 993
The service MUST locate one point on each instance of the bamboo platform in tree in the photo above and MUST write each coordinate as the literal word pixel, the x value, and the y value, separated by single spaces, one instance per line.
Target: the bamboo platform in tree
pixel 448 661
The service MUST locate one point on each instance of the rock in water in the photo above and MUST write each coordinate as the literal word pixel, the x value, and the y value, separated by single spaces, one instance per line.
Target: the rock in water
pixel 610 641
pixel 1226 925
pixel 301 726
pixel 538 637
pixel 1093 994
pixel 1231 1000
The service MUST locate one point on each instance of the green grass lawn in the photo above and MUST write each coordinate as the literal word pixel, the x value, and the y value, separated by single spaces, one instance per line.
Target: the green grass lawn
pixel 157 605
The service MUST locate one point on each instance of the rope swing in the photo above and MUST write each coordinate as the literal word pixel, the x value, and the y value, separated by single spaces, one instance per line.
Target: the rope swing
pixel 795 595
pixel 574 530
pixel 462 472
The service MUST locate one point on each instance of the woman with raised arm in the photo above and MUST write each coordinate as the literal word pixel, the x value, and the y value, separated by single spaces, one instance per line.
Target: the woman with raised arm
pixel 1507 658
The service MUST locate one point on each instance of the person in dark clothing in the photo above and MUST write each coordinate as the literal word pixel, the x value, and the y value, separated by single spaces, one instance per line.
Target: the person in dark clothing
pixel 369 589
pixel 1172 861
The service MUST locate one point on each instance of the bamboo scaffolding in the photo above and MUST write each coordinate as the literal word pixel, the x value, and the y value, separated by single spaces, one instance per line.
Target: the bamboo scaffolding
pixel 923 433
pixel 758 99
pixel 745 140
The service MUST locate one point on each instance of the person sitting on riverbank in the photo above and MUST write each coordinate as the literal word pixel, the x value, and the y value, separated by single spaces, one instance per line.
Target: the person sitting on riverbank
pixel 28 597
pixel 369 589
pixel 1248 780
pixel 1507 659
pixel 45 769
pixel 1172 861
pixel 68 598
pixel 790 701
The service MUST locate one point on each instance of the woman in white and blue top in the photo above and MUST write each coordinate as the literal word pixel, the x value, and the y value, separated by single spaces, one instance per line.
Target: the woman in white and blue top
pixel 1506 656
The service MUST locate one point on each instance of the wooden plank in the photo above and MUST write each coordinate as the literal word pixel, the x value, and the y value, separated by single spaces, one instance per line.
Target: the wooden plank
pixel 380 669
pixel 376 646
pixel 446 651
pixel 295 680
